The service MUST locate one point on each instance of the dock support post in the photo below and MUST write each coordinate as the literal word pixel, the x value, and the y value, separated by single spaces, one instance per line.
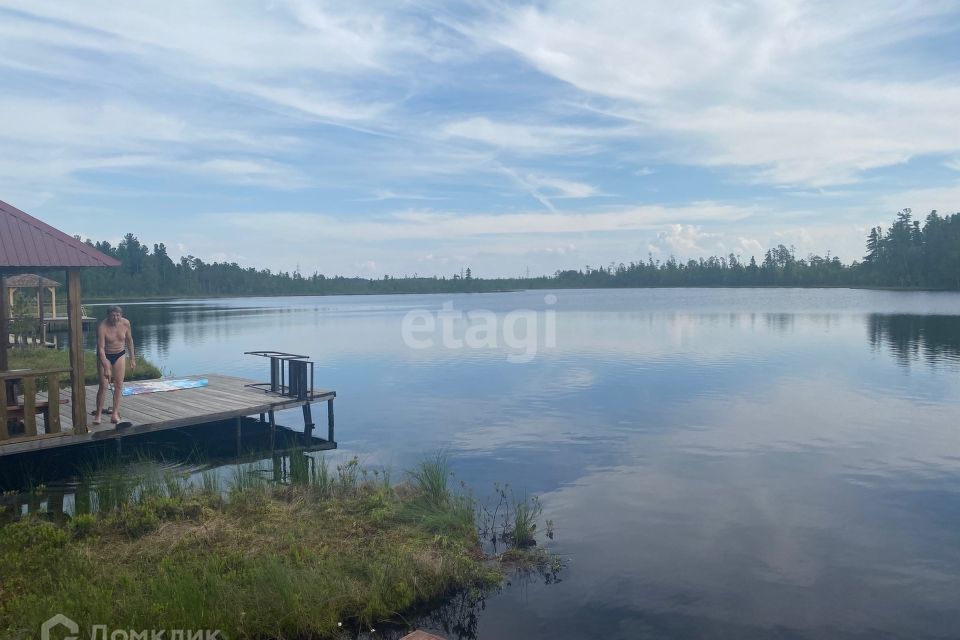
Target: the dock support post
pixel 239 433
pixel 55 502
pixel 273 430
pixel 307 422
pixel 330 420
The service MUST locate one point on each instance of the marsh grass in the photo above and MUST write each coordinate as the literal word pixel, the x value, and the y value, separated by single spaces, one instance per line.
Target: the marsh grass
pixel 248 477
pixel 513 522
pixel 251 557
pixel 320 479
pixel 525 515
pixel 300 464
pixel 210 482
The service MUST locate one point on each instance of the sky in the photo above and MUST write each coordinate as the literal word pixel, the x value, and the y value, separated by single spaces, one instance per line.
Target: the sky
pixel 421 137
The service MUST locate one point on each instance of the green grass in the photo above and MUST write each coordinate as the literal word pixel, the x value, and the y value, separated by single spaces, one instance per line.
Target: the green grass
pixel 525 516
pixel 434 506
pixel 250 557
pixel 42 358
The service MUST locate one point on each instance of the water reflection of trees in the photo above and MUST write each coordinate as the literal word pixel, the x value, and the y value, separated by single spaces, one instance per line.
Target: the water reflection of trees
pixel 154 323
pixel 911 338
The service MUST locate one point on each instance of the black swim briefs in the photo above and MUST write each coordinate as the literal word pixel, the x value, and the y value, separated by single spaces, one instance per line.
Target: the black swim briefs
pixel 113 357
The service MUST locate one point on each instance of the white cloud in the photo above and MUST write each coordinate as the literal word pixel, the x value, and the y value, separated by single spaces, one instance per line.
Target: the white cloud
pixel 524 137
pixel 682 239
pixel 749 247
pixel 945 199
pixel 387 194
pixel 254 172
pixel 368 265
pixel 559 188
pixel 299 227
pixel 787 89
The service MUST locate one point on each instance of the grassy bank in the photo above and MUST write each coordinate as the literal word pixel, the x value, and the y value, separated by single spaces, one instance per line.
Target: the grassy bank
pixel 252 558
pixel 42 358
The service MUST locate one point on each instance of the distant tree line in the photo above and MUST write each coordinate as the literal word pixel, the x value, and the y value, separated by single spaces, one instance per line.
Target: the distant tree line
pixel 907 254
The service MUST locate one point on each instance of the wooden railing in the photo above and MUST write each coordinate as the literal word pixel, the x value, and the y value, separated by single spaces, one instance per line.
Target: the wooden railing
pixel 24 409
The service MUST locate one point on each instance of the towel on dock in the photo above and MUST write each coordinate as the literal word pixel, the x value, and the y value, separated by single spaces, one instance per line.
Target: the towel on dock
pixel 154 386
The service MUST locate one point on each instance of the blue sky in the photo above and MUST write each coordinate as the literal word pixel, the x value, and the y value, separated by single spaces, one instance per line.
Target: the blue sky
pixel 424 137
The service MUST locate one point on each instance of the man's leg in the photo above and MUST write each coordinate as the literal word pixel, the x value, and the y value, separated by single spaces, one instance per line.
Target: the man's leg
pixel 119 369
pixel 101 391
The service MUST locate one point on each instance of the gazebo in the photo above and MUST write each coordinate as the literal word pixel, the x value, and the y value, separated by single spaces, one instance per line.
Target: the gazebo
pixel 40 284
pixel 33 281
pixel 28 243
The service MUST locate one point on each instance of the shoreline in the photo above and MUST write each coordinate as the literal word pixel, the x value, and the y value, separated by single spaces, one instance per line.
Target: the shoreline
pixel 96 300
pixel 316 553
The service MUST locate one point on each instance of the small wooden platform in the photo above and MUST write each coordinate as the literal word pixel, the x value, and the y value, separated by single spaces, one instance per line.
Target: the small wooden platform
pixel 60 323
pixel 224 398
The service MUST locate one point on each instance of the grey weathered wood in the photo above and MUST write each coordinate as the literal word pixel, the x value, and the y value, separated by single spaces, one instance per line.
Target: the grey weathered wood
pixel 30 405
pixel 3 411
pixel 19 373
pixel 76 351
pixel 53 408
pixel 330 421
pixel 4 328
pixel 273 429
pixel 225 397
pixel 307 420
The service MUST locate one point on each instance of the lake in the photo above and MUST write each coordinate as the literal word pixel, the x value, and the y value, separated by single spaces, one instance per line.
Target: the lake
pixel 724 463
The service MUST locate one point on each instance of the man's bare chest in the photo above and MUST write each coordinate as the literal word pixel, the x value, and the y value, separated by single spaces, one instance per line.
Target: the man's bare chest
pixel 116 333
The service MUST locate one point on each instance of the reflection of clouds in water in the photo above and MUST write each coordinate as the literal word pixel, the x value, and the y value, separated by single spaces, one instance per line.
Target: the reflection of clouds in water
pixel 776 507
pixel 539 434
pixel 860 430
pixel 767 539
pixel 575 378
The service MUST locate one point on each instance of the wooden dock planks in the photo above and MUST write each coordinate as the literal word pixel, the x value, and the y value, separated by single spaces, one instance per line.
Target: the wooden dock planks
pixel 224 397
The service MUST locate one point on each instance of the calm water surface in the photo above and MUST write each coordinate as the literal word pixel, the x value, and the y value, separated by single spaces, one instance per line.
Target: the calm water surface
pixel 719 463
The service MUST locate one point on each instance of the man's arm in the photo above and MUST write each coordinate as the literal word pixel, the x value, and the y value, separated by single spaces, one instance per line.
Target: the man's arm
pixel 133 356
pixel 101 350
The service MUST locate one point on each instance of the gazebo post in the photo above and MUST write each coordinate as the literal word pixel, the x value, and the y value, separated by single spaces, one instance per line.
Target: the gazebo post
pixel 41 325
pixel 75 323
pixel 4 322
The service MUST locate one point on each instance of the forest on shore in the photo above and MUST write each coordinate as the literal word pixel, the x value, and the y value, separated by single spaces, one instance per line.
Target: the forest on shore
pixel 907 254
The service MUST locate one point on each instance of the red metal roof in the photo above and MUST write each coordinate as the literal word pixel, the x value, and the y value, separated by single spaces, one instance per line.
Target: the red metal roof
pixel 27 242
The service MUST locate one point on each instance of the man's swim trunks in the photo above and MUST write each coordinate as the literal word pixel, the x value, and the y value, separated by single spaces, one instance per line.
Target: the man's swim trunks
pixel 113 357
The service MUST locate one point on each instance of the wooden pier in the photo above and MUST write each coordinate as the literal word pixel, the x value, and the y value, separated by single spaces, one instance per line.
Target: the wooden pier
pixel 224 398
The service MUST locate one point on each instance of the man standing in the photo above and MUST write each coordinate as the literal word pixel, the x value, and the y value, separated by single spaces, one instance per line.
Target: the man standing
pixel 114 339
